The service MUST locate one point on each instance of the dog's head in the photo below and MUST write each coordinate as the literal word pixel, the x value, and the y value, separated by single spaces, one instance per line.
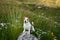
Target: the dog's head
pixel 26 19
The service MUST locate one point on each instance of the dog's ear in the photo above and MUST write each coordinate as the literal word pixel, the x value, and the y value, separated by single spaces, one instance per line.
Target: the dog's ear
pixel 24 17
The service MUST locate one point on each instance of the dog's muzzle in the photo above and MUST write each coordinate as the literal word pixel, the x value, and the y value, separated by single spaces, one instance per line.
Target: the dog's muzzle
pixel 25 21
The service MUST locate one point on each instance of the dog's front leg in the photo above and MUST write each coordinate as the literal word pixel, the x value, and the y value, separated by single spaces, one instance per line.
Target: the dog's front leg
pixel 24 30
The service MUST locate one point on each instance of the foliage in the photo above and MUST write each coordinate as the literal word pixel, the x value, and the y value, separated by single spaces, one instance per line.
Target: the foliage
pixel 46 21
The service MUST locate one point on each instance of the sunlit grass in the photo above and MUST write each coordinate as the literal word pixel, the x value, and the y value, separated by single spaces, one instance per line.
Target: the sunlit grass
pixel 45 25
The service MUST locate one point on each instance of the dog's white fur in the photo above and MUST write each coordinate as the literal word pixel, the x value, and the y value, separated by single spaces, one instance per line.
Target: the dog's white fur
pixel 27 25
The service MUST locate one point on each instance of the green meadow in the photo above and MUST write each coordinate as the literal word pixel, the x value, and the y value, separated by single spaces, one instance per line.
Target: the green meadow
pixel 46 21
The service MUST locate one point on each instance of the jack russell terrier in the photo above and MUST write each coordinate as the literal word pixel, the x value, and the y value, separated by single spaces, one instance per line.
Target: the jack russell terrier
pixel 27 25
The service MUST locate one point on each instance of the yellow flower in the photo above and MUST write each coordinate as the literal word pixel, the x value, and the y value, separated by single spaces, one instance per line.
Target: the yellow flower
pixel 55 39
pixel 52 33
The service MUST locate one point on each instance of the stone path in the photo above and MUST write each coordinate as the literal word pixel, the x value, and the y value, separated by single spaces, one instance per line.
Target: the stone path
pixel 25 36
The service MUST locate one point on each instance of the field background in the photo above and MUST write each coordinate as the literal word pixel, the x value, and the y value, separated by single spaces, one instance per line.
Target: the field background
pixel 46 18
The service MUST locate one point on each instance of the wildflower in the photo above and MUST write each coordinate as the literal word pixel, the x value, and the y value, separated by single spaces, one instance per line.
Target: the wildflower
pixel 2 24
pixel 52 33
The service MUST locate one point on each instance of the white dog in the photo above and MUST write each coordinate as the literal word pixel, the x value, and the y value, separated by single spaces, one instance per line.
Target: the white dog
pixel 27 25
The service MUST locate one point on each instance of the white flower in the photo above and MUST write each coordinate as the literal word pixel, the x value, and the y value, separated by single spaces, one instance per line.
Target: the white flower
pixel 16 20
pixel 39 7
pixel 2 24
pixel 39 16
pixel 40 30
pixel 12 25
pixel 42 14
pixel 56 22
pixel 47 18
pixel 5 27
pixel 43 32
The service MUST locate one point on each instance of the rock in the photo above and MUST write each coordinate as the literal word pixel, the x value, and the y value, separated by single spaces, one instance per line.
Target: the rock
pixel 26 36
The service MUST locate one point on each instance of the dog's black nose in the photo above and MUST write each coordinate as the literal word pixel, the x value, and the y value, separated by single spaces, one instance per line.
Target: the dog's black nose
pixel 25 21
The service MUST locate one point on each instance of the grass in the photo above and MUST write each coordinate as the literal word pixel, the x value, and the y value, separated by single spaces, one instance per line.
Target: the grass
pixel 46 25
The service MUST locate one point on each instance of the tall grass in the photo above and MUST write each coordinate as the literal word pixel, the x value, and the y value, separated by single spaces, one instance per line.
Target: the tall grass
pixel 47 28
